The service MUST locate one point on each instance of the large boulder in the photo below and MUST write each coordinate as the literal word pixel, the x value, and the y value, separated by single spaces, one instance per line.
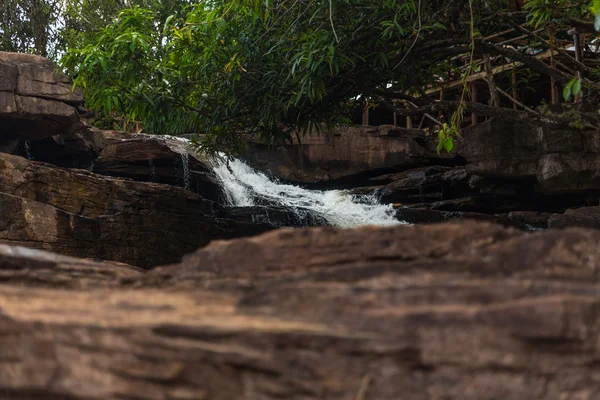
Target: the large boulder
pixel 588 217
pixel 75 212
pixel 160 159
pixel 141 157
pixel 460 311
pixel 351 154
pixel 36 100
pixel 561 158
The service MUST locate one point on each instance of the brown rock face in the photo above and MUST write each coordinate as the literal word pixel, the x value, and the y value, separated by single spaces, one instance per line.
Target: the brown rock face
pixel 78 213
pixel 351 153
pixel 36 100
pixel 25 267
pixel 153 158
pixel 588 217
pixel 461 311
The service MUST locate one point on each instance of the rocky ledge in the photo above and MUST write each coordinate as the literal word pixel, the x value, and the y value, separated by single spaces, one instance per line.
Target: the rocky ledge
pixel 513 170
pixel 69 188
pixel 456 311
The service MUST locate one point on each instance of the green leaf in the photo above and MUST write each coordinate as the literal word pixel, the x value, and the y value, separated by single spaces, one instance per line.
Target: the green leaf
pixel 449 144
pixel 440 146
pixel 567 91
pixel 576 87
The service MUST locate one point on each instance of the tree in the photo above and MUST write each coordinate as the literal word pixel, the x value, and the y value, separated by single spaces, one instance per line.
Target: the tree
pixel 28 26
pixel 277 68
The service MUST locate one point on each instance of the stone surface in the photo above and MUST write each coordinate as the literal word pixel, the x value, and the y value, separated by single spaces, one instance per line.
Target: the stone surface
pixel 354 153
pixel 79 213
pixel 36 101
pixel 432 183
pixel 33 224
pixel 588 217
pixel 460 311
pixel 152 158
pixel 533 218
pixel 26 267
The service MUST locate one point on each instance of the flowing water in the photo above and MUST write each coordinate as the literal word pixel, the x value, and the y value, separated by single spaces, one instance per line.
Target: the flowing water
pixel 185 165
pixel 28 150
pixel 245 187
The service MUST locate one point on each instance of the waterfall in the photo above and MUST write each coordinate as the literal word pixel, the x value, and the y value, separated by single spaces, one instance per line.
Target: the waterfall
pixel 245 186
pixel 185 164
pixel 152 170
pixel 28 150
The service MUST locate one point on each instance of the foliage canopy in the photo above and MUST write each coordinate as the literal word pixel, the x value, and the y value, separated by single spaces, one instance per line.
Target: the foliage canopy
pixel 277 68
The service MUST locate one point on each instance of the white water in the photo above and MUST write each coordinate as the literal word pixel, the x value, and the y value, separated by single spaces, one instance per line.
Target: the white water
pixel 27 150
pixel 245 186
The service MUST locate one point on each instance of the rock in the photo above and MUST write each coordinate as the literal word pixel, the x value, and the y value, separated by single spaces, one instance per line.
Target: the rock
pixel 71 150
pixel 562 159
pixel 432 183
pixel 502 147
pixel 78 213
pixel 419 215
pixel 480 204
pixel 33 224
pixel 533 218
pixel 588 217
pixel 423 215
pixel 347 155
pixel 151 158
pixel 564 172
pixel 468 311
pixel 275 216
pixel 141 157
pixel 21 266
pixel 36 101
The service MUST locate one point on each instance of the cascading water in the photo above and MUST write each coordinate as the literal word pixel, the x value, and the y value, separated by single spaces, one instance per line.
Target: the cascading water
pixel 28 150
pixel 246 187
pixel 152 170
pixel 185 165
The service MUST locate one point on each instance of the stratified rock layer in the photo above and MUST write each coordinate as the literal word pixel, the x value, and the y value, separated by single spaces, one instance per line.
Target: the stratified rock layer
pixel 36 100
pixel 78 213
pixel 460 311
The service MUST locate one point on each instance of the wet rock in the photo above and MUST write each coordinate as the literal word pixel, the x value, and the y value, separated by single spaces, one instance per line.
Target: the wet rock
pixel 79 213
pixel 431 183
pixel 275 216
pixel 533 218
pixel 424 215
pixel 151 158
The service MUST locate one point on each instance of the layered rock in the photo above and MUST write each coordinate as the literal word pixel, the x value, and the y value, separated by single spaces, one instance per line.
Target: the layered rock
pixel 348 155
pixel 79 213
pixel 501 166
pixel 468 311
pixel 158 159
pixel 25 267
pixel 36 100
